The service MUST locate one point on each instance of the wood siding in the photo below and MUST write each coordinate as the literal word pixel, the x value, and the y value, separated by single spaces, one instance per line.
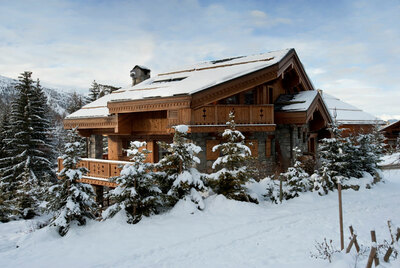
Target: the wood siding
pixel 99 170
pixel 244 114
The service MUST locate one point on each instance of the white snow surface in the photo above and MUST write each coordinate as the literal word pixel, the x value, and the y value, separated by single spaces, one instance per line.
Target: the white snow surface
pixel 347 113
pixel 226 233
pixel 301 101
pixel 182 128
pixel 184 81
pixel 392 159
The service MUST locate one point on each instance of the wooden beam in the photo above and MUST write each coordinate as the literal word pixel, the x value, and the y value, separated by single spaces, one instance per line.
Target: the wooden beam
pixel 91 123
pixel 151 104
pixel 114 147
pixel 234 86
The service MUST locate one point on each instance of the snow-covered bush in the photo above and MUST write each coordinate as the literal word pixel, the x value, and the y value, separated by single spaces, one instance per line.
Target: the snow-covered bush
pixel 180 178
pixel 71 200
pixel 296 179
pixel 325 250
pixel 232 172
pixel 137 192
pixel 322 182
pixel 291 183
pixel 348 159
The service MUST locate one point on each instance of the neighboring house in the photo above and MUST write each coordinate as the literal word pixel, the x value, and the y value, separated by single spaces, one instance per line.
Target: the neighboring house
pixel 274 102
pixel 392 134
pixel 352 119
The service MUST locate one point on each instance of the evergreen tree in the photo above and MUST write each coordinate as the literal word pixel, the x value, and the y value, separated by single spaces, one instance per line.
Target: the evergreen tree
pixel 42 138
pixel 71 200
pixel 322 182
pixel 94 92
pixel 28 157
pixel 137 192
pixel 8 186
pixel 334 155
pixel 5 132
pixel 76 102
pixel 291 183
pixel 296 179
pixel 182 180
pixel 106 89
pixel 232 174
pixel 343 158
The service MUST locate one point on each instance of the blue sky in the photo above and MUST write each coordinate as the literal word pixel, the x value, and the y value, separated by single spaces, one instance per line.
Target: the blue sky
pixel 350 49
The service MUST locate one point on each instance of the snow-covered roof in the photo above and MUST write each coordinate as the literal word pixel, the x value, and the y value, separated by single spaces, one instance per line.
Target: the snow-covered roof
pixel 347 113
pixel 298 102
pixel 184 81
pixel 390 125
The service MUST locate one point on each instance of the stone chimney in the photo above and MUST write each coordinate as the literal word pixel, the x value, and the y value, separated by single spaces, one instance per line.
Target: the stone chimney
pixel 139 74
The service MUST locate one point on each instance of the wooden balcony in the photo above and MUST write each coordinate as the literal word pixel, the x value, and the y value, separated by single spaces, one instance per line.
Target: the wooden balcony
pixel 247 117
pixel 99 170
pixel 244 114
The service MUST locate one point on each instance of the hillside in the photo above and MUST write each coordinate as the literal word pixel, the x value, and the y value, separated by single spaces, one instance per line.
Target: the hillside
pixel 226 233
pixel 57 99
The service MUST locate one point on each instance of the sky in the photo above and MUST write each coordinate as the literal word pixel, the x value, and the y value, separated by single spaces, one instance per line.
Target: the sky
pixel 350 49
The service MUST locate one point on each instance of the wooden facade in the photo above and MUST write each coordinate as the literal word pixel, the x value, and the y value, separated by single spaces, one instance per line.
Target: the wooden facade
pixel 392 134
pixel 250 97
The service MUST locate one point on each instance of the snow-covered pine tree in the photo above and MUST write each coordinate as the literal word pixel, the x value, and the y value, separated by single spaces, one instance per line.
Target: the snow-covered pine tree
pixel 340 160
pixel 296 179
pixel 5 133
pixel 322 182
pixel 137 192
pixel 71 200
pixel 333 158
pixel 370 148
pixel 8 186
pixel 43 131
pixel 94 92
pixel 233 172
pixel 75 103
pixel 29 154
pixel 182 180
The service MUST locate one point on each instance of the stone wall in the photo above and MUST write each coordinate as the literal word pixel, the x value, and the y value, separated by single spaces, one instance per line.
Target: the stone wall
pixel 265 165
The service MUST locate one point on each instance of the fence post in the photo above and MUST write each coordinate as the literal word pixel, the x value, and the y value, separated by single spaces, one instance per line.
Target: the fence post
pixel 340 216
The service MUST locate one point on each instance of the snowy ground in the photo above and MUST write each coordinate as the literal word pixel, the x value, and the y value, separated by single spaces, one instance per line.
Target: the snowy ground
pixel 393 159
pixel 226 234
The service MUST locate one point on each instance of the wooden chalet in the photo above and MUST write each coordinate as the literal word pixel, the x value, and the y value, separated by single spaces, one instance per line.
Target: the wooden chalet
pixel 351 119
pixel 274 101
pixel 392 134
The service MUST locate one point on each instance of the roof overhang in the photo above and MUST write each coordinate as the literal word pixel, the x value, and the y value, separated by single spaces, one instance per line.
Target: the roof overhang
pixel 303 117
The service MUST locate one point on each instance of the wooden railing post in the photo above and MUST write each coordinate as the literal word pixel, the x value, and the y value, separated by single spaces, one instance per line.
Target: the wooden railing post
pixel 216 114
pixel 251 115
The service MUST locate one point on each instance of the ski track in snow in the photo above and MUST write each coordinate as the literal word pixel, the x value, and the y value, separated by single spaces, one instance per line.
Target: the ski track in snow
pixel 225 234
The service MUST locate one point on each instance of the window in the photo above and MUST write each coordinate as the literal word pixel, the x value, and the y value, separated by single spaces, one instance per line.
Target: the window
pixel 270 95
pixel 249 97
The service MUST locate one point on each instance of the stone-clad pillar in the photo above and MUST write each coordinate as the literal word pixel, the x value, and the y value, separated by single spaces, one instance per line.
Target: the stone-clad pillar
pixel 96 146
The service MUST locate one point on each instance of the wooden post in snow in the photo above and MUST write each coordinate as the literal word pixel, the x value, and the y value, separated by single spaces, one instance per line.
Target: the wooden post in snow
pixel 340 215
pixel 372 255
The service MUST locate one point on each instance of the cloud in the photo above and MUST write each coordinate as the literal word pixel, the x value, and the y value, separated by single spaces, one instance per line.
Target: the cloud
pixel 261 19
pixel 349 49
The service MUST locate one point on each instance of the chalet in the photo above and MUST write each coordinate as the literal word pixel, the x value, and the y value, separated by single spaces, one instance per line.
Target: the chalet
pixel 392 134
pixel 274 102
pixel 352 119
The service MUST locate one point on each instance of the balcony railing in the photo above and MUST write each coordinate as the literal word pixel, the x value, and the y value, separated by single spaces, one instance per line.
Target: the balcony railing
pixel 244 114
pixel 99 170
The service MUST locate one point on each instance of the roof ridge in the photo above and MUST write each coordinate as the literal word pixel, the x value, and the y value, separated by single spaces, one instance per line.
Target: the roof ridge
pixel 215 67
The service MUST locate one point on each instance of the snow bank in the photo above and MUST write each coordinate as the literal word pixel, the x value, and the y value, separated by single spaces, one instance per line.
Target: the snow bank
pixel 393 159
pixel 226 233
